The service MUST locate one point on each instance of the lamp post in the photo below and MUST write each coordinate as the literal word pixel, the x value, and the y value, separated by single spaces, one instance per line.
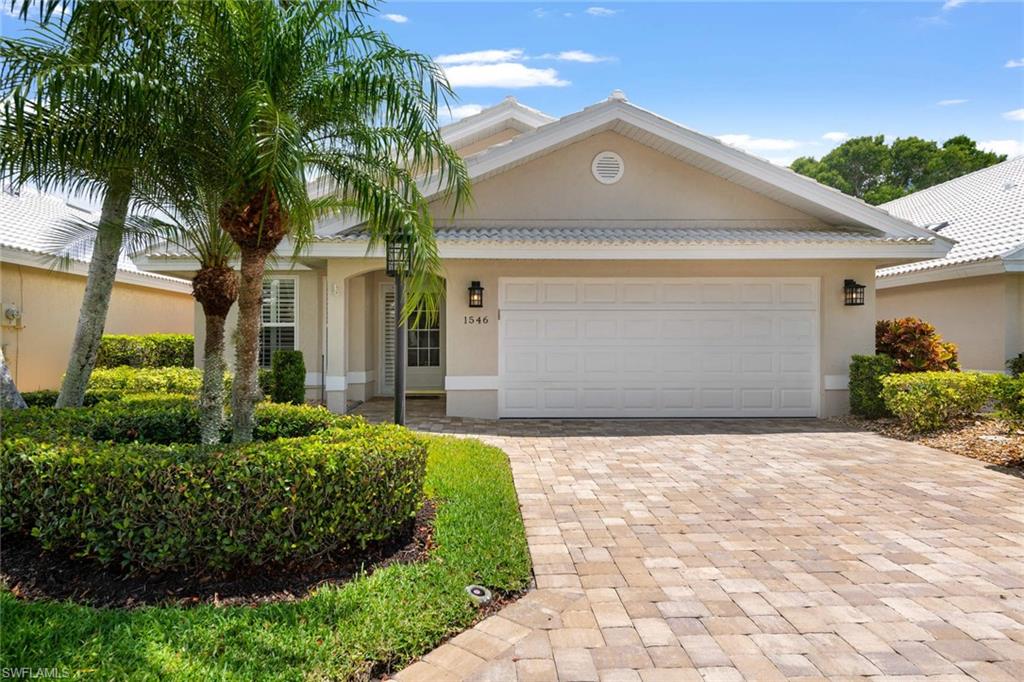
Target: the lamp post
pixel 398 263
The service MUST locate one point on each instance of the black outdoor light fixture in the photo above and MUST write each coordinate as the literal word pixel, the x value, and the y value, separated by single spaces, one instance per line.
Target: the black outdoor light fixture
pixel 853 293
pixel 398 263
pixel 476 295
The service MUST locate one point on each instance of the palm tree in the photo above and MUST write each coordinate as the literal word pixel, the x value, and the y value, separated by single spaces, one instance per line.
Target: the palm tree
pixel 87 100
pixel 10 398
pixel 301 96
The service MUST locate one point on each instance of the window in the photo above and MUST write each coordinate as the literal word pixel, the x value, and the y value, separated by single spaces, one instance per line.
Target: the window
pixel 278 321
pixel 424 349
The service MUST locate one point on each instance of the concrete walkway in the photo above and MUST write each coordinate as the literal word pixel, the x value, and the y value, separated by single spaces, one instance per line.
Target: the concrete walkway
pixel 746 550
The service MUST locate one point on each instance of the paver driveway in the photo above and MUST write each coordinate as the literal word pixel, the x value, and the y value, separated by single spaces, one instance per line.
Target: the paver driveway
pixel 758 550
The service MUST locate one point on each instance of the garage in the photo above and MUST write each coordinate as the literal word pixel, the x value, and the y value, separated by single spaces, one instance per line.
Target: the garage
pixel 658 347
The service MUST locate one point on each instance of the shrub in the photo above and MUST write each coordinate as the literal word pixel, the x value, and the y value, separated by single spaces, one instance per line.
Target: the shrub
pixel 153 508
pixel 1009 397
pixel 150 380
pixel 266 380
pixel 1016 365
pixel 43 398
pixel 149 350
pixel 915 346
pixel 925 401
pixel 288 383
pixel 281 420
pixel 866 372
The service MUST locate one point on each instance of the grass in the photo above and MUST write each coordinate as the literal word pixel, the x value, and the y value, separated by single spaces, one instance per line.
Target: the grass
pixel 366 626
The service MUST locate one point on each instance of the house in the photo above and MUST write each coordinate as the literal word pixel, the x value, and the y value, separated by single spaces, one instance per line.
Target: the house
pixel 974 295
pixel 40 299
pixel 631 267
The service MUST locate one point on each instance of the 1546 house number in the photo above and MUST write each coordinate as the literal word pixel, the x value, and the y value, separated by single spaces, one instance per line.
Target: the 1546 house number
pixel 475 319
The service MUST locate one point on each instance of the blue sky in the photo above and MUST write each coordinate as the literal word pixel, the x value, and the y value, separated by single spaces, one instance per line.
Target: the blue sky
pixel 779 79
pixel 776 77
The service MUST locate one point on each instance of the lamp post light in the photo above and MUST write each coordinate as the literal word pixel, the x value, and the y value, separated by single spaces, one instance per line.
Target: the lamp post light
pixel 476 295
pixel 398 262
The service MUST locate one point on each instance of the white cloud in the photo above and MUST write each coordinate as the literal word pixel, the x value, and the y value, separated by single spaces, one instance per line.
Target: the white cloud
pixel 1015 115
pixel 397 18
pixel 951 4
pixel 1014 64
pixel 837 136
pixel 950 102
pixel 501 75
pixel 575 56
pixel 601 11
pixel 481 57
pixel 758 144
pixel 1011 148
pixel 462 111
pixel 540 12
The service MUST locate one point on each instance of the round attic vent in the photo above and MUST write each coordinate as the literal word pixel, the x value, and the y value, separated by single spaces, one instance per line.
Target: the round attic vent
pixel 607 168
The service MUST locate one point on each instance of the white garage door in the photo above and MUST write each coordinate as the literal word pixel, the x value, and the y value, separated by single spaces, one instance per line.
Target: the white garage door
pixel 637 347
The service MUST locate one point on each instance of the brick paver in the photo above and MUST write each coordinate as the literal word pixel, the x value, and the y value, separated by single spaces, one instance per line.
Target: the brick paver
pixel 747 549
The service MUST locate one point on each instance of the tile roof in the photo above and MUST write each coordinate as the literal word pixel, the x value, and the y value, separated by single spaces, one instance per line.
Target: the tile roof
pixel 28 218
pixel 983 212
pixel 649 235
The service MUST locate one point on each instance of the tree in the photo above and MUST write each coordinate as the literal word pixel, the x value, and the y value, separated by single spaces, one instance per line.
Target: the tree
pixel 869 169
pixel 303 98
pixel 86 103
pixel 10 398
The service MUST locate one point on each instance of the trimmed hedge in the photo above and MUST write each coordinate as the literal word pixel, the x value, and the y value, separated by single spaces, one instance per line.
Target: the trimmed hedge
pixel 1009 397
pixel 48 398
pixel 151 380
pixel 288 377
pixel 1016 365
pixel 148 350
pixel 866 372
pixel 925 401
pixel 162 419
pixel 154 508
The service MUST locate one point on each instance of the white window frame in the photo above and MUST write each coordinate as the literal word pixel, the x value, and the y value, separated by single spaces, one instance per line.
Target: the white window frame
pixel 295 324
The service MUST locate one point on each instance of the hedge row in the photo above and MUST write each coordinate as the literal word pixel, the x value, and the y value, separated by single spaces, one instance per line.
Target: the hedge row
pixel 150 380
pixel 149 350
pixel 153 507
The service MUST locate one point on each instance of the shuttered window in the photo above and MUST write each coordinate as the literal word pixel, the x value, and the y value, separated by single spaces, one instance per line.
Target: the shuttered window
pixel 278 331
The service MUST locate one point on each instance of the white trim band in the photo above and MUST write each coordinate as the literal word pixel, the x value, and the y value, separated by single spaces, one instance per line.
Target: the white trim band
pixel 359 377
pixel 334 383
pixel 471 383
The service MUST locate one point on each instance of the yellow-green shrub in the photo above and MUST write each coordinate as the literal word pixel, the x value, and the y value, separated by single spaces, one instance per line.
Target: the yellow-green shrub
pixel 150 380
pixel 925 401
pixel 146 350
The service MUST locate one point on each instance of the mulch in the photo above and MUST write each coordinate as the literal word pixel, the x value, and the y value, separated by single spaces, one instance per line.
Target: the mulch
pixel 32 573
pixel 984 438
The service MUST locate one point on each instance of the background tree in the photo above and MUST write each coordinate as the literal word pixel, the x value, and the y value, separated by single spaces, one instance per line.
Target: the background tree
pixel 868 168
pixel 308 112
pixel 87 97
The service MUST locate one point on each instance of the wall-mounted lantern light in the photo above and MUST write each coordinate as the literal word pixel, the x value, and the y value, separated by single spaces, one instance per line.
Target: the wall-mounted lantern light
pixel 476 295
pixel 398 256
pixel 853 293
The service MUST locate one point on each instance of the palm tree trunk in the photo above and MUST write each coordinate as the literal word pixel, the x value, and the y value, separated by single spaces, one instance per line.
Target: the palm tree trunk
pixel 211 398
pixel 102 270
pixel 10 398
pixel 245 388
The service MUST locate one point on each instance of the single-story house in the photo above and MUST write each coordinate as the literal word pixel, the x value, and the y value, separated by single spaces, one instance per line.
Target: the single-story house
pixel 40 300
pixel 974 295
pixel 631 267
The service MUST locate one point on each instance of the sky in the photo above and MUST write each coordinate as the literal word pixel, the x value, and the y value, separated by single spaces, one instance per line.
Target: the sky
pixel 780 80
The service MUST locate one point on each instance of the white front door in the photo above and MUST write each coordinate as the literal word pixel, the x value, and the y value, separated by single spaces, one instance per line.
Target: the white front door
pixel 667 347
pixel 424 349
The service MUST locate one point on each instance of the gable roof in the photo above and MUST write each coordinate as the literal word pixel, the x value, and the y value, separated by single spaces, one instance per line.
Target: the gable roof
pixel 509 113
pixel 982 211
pixel 27 222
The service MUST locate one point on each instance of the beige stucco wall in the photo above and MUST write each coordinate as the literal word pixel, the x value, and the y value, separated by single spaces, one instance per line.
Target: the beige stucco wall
pixel 472 350
pixel 486 142
pixel 982 315
pixel 560 187
pixel 37 349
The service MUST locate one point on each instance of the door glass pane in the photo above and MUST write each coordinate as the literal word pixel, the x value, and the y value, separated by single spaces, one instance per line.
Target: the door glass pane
pixel 424 343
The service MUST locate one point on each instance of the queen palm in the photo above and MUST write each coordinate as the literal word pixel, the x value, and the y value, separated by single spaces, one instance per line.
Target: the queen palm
pixel 88 99
pixel 308 112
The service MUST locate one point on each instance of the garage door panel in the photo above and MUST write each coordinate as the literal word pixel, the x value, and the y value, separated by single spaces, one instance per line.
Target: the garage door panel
pixel 645 348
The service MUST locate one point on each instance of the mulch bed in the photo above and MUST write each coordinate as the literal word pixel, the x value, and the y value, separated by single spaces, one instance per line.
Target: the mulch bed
pixel 984 438
pixel 32 573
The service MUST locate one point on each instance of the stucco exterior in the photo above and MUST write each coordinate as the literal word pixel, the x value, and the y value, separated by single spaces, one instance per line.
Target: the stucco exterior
pixel 38 345
pixel 982 315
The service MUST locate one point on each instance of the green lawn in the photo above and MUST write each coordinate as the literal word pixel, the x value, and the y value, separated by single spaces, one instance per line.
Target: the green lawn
pixel 336 633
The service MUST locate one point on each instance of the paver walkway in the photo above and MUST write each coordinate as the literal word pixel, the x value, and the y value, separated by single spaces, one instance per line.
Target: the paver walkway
pixel 748 549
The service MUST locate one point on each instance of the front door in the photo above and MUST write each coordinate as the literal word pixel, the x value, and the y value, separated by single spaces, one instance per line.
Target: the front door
pixel 425 349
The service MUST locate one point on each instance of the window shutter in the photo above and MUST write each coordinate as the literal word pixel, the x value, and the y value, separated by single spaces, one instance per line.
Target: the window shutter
pixel 389 338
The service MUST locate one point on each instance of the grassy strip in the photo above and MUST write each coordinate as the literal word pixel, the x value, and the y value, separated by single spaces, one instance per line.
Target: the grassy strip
pixel 343 632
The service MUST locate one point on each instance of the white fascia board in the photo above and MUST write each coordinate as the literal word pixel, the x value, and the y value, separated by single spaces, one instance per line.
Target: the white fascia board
pixel 81 269
pixel 189 264
pixel 508 113
pixel 992 266
pixel 591 251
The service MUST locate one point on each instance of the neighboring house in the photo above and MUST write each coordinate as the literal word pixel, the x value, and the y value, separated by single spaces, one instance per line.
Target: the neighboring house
pixel 40 300
pixel 974 295
pixel 631 268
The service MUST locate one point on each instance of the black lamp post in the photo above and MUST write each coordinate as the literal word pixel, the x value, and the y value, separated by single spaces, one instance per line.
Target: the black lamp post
pixel 398 262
